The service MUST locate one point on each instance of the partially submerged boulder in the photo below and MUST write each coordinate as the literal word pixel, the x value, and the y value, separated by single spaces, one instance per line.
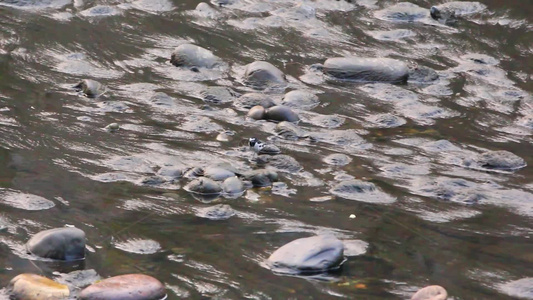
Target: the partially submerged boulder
pixel 313 254
pixel 66 243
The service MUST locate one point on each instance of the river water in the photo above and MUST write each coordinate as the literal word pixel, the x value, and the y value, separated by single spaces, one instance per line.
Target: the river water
pixel 435 221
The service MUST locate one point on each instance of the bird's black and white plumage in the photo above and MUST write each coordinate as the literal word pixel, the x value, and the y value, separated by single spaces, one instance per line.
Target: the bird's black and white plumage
pixel 261 148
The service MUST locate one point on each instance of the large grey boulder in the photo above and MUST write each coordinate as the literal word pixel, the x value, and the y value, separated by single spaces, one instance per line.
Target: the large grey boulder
pixel 59 243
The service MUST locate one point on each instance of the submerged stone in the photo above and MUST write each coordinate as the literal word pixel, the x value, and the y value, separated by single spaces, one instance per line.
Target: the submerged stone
pixel 360 190
pixel 261 74
pixel 312 254
pixel 91 88
pixel 218 173
pixel 189 55
pixel 500 160
pixel 367 69
pixel 432 292
pixel 422 75
pixel 300 99
pixel 337 159
pixel 289 131
pixel 125 287
pixel 216 212
pixel 35 287
pixel 261 177
pixel 59 243
pixel 282 163
pixel 385 121
pixel 203 185
pixel 250 100
pixel 402 12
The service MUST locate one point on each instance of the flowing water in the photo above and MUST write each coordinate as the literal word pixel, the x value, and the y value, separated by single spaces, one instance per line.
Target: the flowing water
pixel 431 220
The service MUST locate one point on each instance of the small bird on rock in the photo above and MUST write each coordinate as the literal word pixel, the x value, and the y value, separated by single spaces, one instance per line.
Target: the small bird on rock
pixel 262 148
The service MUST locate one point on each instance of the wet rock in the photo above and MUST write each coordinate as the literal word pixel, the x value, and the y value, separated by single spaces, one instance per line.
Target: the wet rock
pixel 312 254
pixel 171 172
pixel 189 55
pixel 300 99
pixel 422 75
pixel 281 113
pixel 233 186
pixel 402 12
pixel 289 131
pixel 125 287
pixel 392 35
pixel 218 173
pixel 139 246
pixel 25 201
pixel 250 100
pixel 101 11
pixel 346 137
pixel 500 160
pixel 203 9
pixel 360 191
pixel 204 185
pixel 112 127
pixel 261 74
pixel 443 14
pixel 367 69
pixel 432 292
pixel 282 163
pixel 522 288
pixel 456 8
pixel 526 121
pixel 385 121
pixel 194 173
pixel 59 243
pixel 91 88
pixel 257 113
pixel 219 95
pixel 337 159
pixel 35 287
pixel 261 177
pixel 216 212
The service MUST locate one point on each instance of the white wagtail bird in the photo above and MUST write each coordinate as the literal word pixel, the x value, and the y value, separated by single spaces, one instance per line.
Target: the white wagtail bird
pixel 262 148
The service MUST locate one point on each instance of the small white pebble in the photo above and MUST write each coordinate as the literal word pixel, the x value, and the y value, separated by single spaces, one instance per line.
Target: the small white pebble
pixel 352 216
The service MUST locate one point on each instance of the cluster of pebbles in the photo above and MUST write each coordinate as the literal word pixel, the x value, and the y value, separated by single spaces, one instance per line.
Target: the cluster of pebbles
pixel 304 256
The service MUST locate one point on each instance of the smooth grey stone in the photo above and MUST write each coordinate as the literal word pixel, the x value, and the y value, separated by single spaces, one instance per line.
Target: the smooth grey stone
pixel 172 172
pixel 261 74
pixel 501 160
pixel 203 185
pixel 312 254
pixel 289 131
pixel 270 149
pixel 91 88
pixel 59 243
pixel 432 292
pixel 257 113
pixel 233 185
pixel 281 113
pixel 216 212
pixel 283 163
pixel 261 177
pixel 219 95
pixel 189 55
pixel 125 287
pixel 367 69
pixel 218 173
